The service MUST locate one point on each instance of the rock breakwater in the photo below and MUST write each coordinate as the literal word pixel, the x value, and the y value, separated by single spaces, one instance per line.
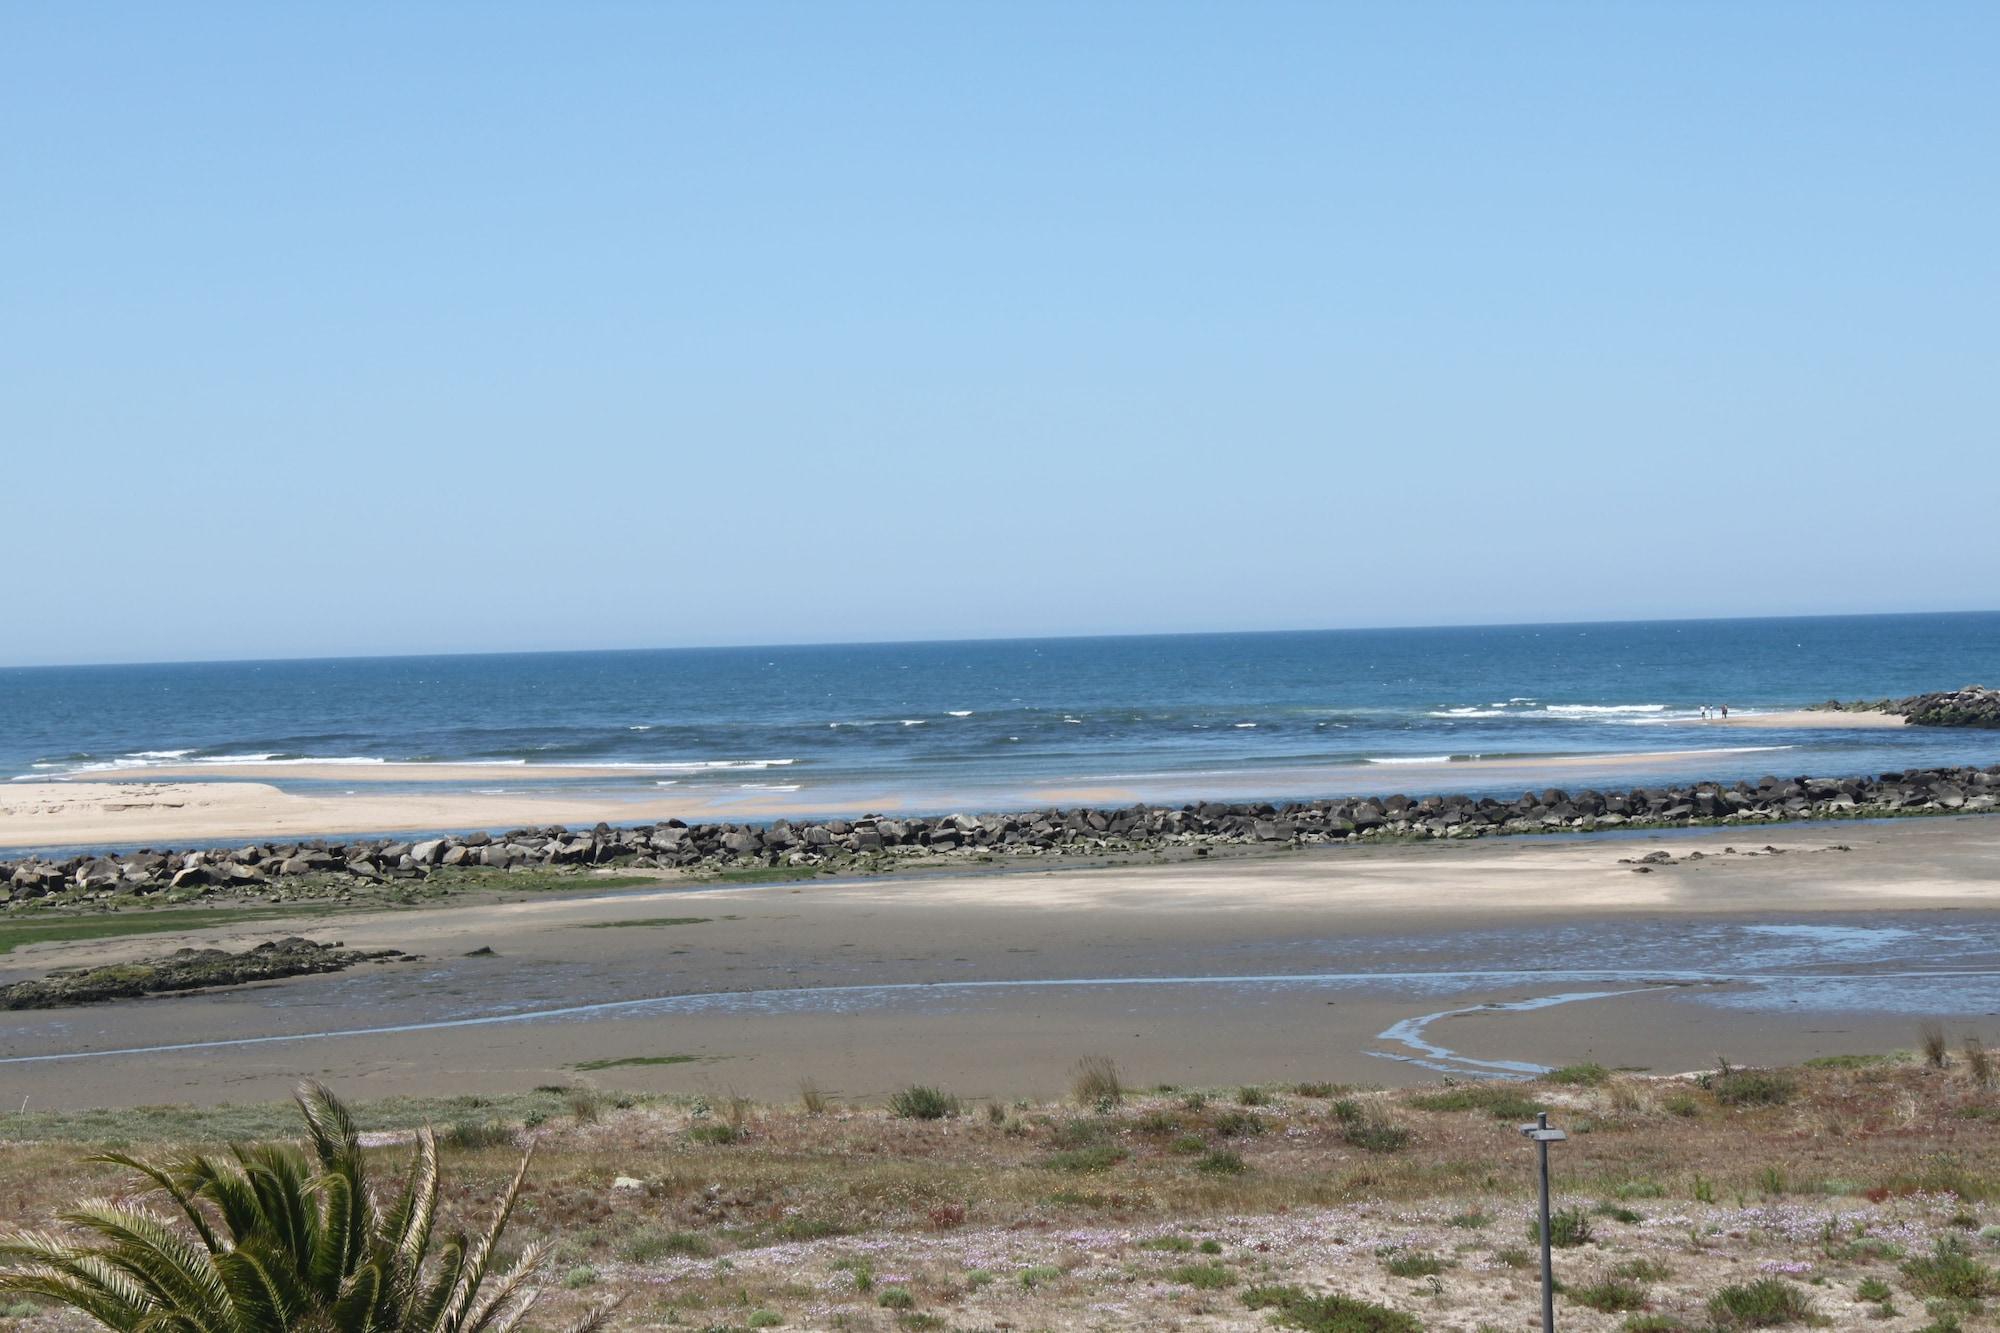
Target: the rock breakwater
pixel 873 842
pixel 1973 706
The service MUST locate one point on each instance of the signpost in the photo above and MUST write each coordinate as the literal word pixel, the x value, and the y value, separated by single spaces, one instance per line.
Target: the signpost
pixel 1543 1137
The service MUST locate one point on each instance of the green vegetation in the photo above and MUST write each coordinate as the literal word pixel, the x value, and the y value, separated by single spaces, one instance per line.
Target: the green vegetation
pixel 1220 1162
pixel 1297 1308
pixel 1238 1124
pixel 1082 1161
pixel 1765 1303
pixel 1095 1082
pixel 651 1243
pixel 1568 1228
pixel 1411 1263
pixel 1205 1277
pixel 1610 1296
pixel 1751 1087
pixel 1501 1101
pixel 1846 1061
pixel 1373 1134
pixel 1950 1273
pixel 920 1102
pixel 1589 1074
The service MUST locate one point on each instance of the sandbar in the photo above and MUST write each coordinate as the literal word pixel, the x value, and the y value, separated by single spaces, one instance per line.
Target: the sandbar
pixel 76 812
pixel 1802 719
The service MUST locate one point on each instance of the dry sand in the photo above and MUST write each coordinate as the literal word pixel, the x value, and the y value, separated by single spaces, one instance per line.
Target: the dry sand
pixel 1109 939
pixel 1809 720
pixel 62 814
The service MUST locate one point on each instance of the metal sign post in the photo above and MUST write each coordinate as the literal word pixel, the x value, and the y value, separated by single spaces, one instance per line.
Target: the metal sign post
pixel 1543 1137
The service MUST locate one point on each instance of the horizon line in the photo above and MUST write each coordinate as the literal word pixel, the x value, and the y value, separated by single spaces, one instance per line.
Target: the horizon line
pixel 985 639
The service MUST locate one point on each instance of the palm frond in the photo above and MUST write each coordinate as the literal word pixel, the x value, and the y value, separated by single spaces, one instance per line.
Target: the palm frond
pixel 479 1259
pixel 173 1186
pixel 173 1271
pixel 335 1137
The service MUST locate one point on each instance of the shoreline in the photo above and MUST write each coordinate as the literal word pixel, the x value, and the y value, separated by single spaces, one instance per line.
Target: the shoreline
pixel 134 811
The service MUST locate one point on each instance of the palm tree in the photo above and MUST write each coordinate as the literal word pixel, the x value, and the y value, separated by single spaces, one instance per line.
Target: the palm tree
pixel 273 1239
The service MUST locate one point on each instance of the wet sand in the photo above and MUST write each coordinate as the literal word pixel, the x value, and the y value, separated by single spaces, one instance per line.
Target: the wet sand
pixel 1304 965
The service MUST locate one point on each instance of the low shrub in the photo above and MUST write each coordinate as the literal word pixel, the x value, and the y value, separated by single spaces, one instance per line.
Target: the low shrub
pixel 1751 1087
pixel 1081 1161
pixel 1610 1296
pixel 1095 1082
pixel 1499 1101
pixel 1203 1277
pixel 1950 1273
pixel 1766 1303
pixel 921 1102
pixel 1238 1124
pixel 715 1133
pixel 1252 1096
pixel 1412 1263
pixel 895 1298
pixel 648 1244
pixel 1298 1308
pixel 1220 1162
pixel 1643 1270
pixel 1589 1074
pixel 1372 1135
pixel 1568 1228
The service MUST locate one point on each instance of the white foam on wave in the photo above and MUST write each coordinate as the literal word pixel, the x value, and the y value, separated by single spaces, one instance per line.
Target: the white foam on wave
pixel 768 786
pixel 1410 759
pixel 913 722
pixel 958 712
pixel 706 765
pixel 1601 710
pixel 1496 711
pixel 645 726
pixel 1243 726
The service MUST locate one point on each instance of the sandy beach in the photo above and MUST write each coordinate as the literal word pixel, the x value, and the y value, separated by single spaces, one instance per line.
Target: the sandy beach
pixel 1291 966
pixel 244 801
pixel 1803 719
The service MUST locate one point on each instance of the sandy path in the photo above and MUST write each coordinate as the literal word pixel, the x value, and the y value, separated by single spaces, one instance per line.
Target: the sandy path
pixel 1115 940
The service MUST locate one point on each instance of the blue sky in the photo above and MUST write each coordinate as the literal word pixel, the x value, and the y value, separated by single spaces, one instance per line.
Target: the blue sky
pixel 354 329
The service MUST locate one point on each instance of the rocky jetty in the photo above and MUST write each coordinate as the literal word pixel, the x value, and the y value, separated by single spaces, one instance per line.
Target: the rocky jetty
pixel 1973 706
pixel 186 970
pixel 874 842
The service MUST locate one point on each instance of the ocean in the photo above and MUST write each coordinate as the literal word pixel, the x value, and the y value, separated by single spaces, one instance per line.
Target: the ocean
pixel 1275 715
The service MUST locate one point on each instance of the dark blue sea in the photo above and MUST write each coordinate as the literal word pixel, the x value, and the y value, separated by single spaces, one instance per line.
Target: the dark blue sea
pixel 1276 715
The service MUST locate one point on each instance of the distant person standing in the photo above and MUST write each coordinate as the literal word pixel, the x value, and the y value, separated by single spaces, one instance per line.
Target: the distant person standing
pixel 1725 712
pixel 1704 712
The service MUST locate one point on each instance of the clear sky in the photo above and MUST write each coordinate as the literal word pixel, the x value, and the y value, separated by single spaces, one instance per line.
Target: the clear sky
pixel 424 327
